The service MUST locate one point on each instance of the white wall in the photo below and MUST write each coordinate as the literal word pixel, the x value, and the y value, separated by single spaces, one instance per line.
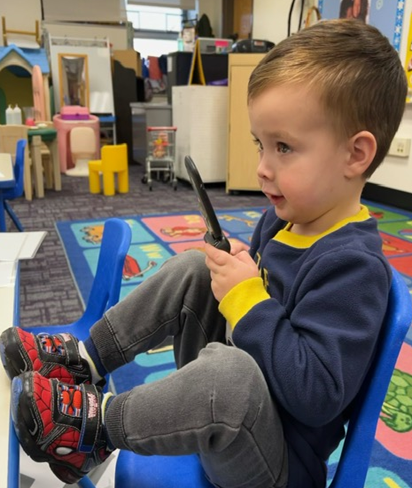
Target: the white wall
pixel 108 10
pixel 81 10
pixel 15 20
pixel 270 18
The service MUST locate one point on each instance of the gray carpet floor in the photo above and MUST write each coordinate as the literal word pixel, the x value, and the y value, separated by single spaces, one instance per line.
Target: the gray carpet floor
pixel 47 292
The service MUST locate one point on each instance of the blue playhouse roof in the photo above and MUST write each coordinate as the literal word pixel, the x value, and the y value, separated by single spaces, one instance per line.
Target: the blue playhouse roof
pixel 32 56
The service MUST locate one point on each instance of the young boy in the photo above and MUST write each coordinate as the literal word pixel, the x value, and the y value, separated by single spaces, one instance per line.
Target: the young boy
pixel 304 307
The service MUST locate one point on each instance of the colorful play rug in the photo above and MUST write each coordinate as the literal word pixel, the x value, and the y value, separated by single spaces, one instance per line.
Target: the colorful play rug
pixel 157 237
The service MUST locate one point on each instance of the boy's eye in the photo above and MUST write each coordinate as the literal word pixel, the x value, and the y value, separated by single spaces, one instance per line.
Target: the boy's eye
pixel 283 148
pixel 258 144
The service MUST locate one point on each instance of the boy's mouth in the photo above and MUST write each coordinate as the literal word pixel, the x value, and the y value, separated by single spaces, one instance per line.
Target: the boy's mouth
pixel 274 199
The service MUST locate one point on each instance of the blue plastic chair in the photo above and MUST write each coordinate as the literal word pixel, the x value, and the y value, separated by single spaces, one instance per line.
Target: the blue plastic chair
pixel 17 190
pixel 104 294
pixel 105 291
pixel 133 470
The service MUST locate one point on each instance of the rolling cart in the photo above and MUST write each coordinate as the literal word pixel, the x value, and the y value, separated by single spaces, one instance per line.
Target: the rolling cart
pixel 161 153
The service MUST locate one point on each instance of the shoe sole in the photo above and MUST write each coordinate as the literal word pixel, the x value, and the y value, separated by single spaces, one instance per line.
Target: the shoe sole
pixel 23 423
pixel 4 358
pixel 9 348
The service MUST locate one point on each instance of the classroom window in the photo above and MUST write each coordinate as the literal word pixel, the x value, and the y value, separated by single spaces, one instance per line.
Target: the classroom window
pixel 156 29
pixel 155 18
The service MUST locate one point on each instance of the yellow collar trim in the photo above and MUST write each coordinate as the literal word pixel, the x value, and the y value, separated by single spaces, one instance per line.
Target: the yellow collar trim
pixel 304 242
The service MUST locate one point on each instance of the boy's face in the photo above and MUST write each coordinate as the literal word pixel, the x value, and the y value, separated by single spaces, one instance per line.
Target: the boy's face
pixel 302 163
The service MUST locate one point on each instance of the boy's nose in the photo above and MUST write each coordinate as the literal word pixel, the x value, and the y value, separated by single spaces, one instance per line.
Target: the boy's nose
pixel 265 170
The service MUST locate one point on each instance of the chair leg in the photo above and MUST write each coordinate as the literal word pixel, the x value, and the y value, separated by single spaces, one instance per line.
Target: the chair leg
pixel 94 181
pixel 108 183
pixel 28 183
pixel 123 181
pixel 86 483
pixel 13 216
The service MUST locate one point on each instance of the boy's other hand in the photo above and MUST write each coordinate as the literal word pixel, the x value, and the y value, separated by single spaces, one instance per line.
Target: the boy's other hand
pixel 227 271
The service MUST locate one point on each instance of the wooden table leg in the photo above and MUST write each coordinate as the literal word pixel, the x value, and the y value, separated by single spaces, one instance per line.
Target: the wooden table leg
pixel 54 154
pixel 35 151
pixel 28 183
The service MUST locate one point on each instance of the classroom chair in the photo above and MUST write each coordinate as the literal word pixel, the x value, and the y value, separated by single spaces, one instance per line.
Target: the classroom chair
pixel 17 191
pixel 133 470
pixel 82 148
pixel 105 293
pixel 9 135
pixel 113 161
pixel 105 290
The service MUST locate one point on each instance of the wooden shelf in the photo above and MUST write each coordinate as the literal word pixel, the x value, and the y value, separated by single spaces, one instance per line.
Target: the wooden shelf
pixel 242 153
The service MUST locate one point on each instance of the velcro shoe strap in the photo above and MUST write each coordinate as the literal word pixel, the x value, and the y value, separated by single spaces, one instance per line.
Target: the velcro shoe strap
pixel 91 421
pixel 71 347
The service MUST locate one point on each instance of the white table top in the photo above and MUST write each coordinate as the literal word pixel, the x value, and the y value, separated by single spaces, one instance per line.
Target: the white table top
pixel 9 283
pixel 6 167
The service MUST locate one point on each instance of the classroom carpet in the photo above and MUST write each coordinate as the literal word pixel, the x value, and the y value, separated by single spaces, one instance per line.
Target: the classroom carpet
pixel 156 237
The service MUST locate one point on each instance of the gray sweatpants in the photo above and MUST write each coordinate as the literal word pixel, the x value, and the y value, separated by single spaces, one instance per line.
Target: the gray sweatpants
pixel 217 403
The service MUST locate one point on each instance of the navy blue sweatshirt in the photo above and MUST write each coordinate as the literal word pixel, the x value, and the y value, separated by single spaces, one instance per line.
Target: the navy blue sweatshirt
pixel 311 322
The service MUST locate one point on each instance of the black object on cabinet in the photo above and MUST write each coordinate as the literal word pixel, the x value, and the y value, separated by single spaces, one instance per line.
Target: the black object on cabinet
pixel 215 68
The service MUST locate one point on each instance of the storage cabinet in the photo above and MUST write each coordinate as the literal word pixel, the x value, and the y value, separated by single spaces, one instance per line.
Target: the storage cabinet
pixel 242 153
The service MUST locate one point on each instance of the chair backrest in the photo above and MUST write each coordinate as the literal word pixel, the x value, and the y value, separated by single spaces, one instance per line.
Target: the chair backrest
pixel 82 142
pixel 354 461
pixel 114 157
pixel 17 191
pixel 9 136
pixel 105 290
pixel 181 471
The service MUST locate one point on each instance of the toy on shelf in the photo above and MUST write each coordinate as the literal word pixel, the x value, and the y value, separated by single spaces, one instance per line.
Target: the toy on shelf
pixel 161 152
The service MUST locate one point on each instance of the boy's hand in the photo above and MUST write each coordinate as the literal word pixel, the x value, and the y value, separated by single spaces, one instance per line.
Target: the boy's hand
pixel 227 271
pixel 236 247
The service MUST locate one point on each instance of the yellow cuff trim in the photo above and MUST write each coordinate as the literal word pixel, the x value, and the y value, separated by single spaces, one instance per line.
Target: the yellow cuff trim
pixel 241 299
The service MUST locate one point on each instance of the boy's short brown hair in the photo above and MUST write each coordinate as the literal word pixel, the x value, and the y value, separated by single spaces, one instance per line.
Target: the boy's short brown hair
pixel 354 70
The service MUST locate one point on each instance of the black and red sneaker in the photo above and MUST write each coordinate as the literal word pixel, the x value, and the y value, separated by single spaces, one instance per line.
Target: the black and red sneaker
pixel 60 424
pixel 53 356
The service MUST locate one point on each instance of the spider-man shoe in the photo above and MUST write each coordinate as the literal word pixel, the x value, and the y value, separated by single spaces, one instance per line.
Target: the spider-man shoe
pixel 59 424
pixel 53 356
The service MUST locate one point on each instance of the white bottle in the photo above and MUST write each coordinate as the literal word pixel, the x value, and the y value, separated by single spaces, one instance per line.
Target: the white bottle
pixel 9 115
pixel 17 115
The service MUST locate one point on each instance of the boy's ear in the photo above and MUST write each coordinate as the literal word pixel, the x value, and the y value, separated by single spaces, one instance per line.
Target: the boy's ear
pixel 362 149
